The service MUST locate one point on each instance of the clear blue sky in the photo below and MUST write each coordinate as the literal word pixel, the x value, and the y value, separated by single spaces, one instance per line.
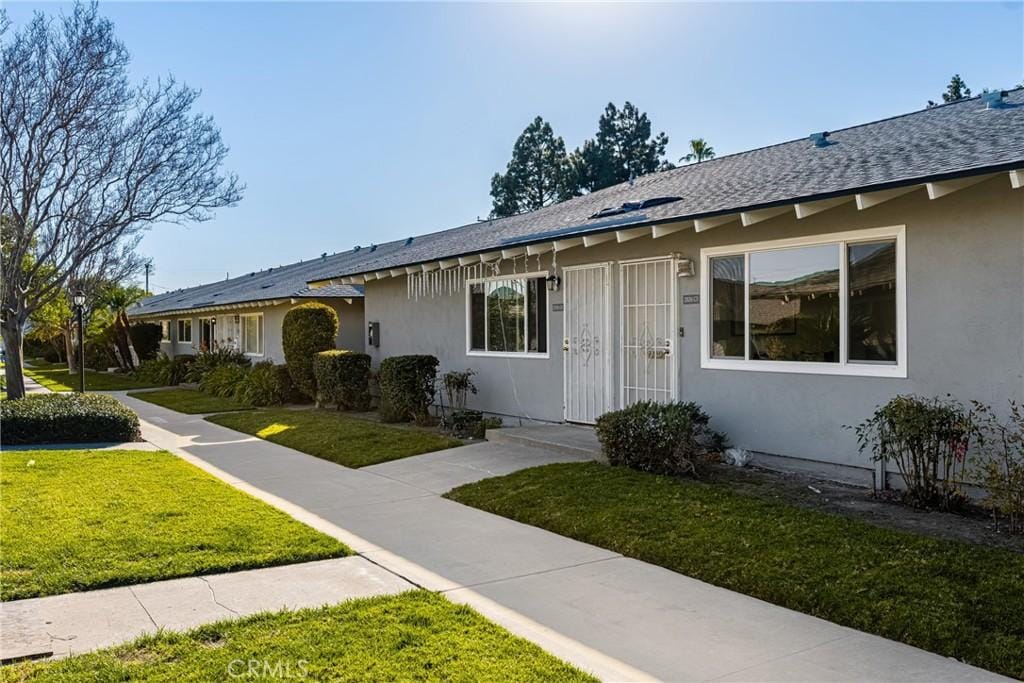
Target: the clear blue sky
pixel 355 123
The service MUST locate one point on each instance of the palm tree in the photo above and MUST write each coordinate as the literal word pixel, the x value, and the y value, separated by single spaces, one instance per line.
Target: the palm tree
pixel 699 151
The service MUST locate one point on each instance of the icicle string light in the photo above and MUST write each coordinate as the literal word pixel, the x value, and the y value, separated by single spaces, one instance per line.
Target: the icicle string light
pixel 450 281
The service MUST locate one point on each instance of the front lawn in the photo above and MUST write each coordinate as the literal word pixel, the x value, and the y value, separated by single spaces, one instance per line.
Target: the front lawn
pixel 952 598
pixel 410 636
pixel 333 436
pixel 77 520
pixel 57 378
pixel 189 401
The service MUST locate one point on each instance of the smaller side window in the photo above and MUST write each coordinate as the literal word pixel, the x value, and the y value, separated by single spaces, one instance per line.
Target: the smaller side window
pixel 185 331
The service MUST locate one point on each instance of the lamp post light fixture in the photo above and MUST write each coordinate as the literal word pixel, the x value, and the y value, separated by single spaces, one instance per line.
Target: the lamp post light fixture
pixel 78 299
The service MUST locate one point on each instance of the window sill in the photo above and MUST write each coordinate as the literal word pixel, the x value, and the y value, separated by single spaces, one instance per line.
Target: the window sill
pixel 497 354
pixel 801 368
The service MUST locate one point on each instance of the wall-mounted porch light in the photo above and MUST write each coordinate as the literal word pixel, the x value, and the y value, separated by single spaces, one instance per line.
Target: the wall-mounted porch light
pixel 684 267
pixel 553 282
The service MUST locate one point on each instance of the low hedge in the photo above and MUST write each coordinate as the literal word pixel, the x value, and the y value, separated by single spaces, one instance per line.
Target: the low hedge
pixel 67 418
pixel 204 362
pixel 223 380
pixel 407 388
pixel 343 379
pixel 665 438
pixel 264 385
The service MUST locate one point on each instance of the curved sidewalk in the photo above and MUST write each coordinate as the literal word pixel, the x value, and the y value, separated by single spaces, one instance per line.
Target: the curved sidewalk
pixel 620 618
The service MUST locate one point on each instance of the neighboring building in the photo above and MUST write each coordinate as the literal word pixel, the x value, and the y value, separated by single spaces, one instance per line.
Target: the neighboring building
pixel 788 290
pixel 247 312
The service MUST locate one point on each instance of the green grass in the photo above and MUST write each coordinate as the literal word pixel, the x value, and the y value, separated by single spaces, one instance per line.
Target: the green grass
pixel 332 436
pixel 77 520
pixel 411 636
pixel 951 598
pixel 57 378
pixel 189 401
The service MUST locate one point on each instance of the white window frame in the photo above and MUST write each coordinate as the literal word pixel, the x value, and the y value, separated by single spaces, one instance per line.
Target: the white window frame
pixel 844 366
pixel 261 335
pixel 542 275
pixel 182 324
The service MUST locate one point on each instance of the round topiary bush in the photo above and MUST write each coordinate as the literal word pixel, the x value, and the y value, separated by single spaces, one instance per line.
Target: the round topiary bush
pixel 407 388
pixel 308 329
pixel 343 378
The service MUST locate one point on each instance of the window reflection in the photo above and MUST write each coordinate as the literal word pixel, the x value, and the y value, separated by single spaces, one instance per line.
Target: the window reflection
pixel 506 312
pixel 871 275
pixel 794 304
pixel 727 310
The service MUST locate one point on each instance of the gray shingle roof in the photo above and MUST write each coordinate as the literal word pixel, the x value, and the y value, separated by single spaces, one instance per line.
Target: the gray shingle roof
pixel 284 282
pixel 951 140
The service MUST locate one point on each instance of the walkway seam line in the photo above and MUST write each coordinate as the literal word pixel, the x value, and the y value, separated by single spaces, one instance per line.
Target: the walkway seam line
pixel 144 609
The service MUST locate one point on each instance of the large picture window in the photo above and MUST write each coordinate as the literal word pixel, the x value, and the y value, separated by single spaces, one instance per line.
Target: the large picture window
pixel 252 334
pixel 508 316
pixel 830 304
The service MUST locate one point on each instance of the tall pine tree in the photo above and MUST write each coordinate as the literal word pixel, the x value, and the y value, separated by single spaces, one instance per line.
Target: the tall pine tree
pixel 622 149
pixel 956 90
pixel 538 174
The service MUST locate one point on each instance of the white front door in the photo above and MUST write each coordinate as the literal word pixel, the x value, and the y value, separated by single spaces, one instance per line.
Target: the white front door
pixel 587 344
pixel 647 362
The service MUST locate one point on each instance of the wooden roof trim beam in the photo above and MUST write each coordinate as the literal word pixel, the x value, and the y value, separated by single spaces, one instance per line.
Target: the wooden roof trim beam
pixel 659 231
pixel 1017 179
pixel 632 234
pixel 869 199
pixel 749 218
pixel 513 252
pixel 542 248
pixel 568 243
pixel 599 238
pixel 805 209
pixel 946 187
pixel 702 224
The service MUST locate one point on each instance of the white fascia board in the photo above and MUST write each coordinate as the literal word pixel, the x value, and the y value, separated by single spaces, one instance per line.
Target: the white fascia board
pixel 947 187
pixel 867 200
pixel 568 243
pixel 490 256
pixel 1017 179
pixel 702 224
pixel 397 272
pixel 805 209
pixel 749 218
pixel 669 228
pixel 449 263
pixel 631 234
pixel 513 252
pixel 432 266
pixel 600 238
pixel 542 248
pixel 412 270
pixel 469 260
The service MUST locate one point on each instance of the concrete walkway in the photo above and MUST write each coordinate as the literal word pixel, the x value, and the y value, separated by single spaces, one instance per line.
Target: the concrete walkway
pixel 77 622
pixel 617 617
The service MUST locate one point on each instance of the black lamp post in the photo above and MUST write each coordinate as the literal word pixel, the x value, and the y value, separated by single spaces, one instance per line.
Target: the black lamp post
pixel 78 298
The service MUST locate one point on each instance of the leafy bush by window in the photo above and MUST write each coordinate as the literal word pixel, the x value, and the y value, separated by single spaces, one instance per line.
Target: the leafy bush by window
pixel 67 418
pixel 157 371
pixel 928 439
pixel 263 386
pixel 224 380
pixel 206 361
pixel 1001 466
pixel 307 330
pixel 343 378
pixel 458 385
pixel 146 339
pixel 407 388
pixel 666 438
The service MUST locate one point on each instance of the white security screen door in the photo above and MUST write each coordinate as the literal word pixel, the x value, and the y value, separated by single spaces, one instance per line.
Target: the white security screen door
pixel 648 369
pixel 587 344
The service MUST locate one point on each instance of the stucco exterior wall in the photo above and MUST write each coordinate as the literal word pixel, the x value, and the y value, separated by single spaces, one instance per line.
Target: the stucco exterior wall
pixel 965 301
pixel 351 329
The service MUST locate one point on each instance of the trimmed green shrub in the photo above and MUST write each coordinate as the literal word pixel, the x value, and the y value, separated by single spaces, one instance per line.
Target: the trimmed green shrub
pixel 928 439
pixel 180 366
pixel 468 424
pixel 146 339
pixel 206 361
pixel 99 356
pixel 156 371
pixel 307 330
pixel 666 438
pixel 67 418
pixel 407 388
pixel 288 390
pixel 343 378
pixel 263 386
pixel 224 380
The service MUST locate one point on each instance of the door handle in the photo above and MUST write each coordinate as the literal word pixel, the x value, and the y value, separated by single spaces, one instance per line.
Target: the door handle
pixel 565 344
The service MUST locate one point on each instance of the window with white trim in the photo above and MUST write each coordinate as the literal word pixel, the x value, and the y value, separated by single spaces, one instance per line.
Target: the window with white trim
pixel 829 304
pixel 185 331
pixel 507 315
pixel 252 334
